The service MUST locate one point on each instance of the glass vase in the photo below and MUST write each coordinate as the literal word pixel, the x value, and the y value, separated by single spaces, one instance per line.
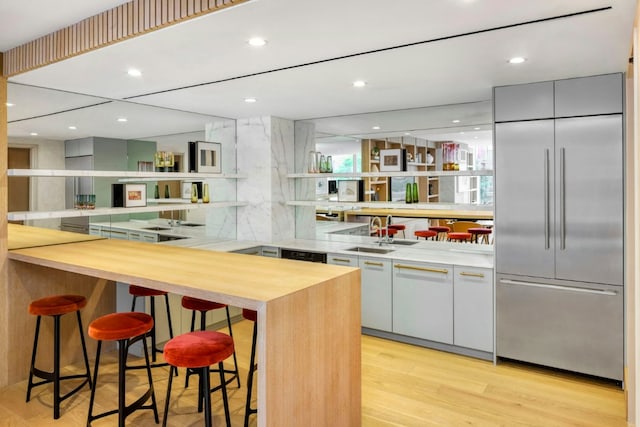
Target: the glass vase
pixel 408 196
pixel 414 193
pixel 205 193
pixel 194 193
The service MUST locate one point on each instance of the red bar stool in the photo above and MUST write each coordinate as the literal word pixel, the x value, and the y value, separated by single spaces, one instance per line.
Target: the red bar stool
pixel 381 232
pixel 398 227
pixel 481 231
pixel 457 236
pixel 253 317
pixel 139 291
pixel 56 306
pixel 197 351
pixel 202 306
pixel 426 234
pixel 441 230
pixel 126 328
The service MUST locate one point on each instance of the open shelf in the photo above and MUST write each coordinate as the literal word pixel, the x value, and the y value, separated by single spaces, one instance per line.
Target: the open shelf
pixel 391 205
pixel 388 174
pixel 125 175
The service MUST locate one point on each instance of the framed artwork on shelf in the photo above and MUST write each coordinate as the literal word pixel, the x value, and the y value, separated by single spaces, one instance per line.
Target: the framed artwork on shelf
pixel 350 190
pixel 393 160
pixel 205 157
pixel 128 195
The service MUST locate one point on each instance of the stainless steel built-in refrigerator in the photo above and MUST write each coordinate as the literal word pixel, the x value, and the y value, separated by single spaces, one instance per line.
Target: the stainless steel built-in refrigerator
pixel 559 230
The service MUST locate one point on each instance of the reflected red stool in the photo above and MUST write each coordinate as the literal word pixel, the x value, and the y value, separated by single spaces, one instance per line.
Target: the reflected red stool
pixel 126 328
pixel 253 317
pixel 202 306
pixel 139 291
pixel 425 233
pixel 457 236
pixel 197 351
pixel 481 231
pixel 383 232
pixel 441 230
pixel 56 306
pixel 398 227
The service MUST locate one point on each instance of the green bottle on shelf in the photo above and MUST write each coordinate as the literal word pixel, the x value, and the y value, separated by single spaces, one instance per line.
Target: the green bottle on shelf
pixel 156 195
pixel 414 193
pixel 167 195
pixel 408 196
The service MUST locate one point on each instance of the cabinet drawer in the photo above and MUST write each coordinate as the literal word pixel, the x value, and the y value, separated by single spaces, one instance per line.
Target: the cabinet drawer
pixel 473 308
pixel 340 259
pixel 423 301
pixel 376 277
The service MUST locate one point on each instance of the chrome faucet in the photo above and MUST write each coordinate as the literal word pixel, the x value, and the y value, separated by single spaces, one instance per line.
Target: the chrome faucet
pixel 377 229
pixel 388 237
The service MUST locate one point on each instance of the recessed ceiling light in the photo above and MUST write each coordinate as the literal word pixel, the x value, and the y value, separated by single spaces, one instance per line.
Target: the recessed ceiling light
pixel 376 128
pixel 461 133
pixel 250 100
pixel 475 137
pixel 407 133
pixel 257 41
pixel 455 121
pixel 476 128
pixel 34 134
pixel 8 104
pixel 359 83
pixel 122 119
pixel 134 72
pixel 72 128
pixel 517 60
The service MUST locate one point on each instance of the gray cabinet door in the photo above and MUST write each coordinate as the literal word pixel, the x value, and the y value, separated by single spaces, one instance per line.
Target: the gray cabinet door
pixel 473 308
pixel 586 96
pixel 523 102
pixel 589 199
pixel 423 301
pixel 376 293
pixel 524 198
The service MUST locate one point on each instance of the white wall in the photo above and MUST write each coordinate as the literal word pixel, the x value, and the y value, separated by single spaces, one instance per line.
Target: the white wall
pixel 47 194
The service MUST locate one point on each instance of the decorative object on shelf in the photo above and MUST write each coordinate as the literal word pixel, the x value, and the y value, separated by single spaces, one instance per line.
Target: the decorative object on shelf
pixel 312 163
pixel 145 167
pixel 329 165
pixel 205 193
pixel 418 157
pixel 414 193
pixel 409 157
pixel 156 194
pixel 429 159
pixel 374 168
pixel 194 193
pixel 351 190
pixel 375 153
pixel 393 160
pixel 323 164
pixel 128 195
pixel 167 193
pixel 163 160
pixel 85 201
pixel 450 156
pixel 408 195
pixel 205 157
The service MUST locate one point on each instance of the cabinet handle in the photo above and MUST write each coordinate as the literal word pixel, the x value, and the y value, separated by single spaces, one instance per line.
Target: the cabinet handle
pixel 253 253
pixel 269 252
pixel 340 260
pixel 562 202
pixel 377 264
pixel 431 270
pixel 464 273
pixel 546 198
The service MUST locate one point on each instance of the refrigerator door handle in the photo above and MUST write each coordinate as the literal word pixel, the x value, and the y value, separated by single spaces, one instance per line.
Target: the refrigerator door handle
pixel 563 288
pixel 546 198
pixel 563 233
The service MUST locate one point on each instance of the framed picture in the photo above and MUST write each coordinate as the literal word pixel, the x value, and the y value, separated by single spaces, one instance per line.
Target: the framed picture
pixel 393 160
pixel 205 157
pixel 129 195
pixel 350 190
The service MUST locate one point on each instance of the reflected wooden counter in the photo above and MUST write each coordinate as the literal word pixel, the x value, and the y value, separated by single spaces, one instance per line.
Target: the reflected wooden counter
pixel 421 213
pixel 308 314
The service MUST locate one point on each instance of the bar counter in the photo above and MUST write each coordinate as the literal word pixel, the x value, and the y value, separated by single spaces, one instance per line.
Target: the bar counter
pixel 308 314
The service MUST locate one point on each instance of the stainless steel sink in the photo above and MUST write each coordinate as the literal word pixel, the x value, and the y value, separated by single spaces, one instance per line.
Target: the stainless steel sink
pixel 370 250
pixel 155 228
pixel 404 242
pixel 191 224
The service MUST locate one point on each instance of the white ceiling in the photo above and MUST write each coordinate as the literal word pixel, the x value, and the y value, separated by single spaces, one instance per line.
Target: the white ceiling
pixel 297 76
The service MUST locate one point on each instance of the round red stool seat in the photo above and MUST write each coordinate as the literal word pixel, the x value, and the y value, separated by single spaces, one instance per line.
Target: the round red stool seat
pixel 440 228
pixel 480 231
pixel 57 304
pixel 383 232
pixel 197 304
pixel 141 291
pixel 459 236
pixel 120 326
pixel 198 349
pixel 425 233
pixel 398 227
pixel 250 314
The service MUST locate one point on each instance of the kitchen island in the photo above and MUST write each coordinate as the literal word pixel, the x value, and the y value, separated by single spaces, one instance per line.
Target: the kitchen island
pixel 308 314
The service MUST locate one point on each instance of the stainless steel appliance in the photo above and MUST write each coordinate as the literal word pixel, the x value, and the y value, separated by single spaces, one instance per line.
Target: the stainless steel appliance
pixel 559 225
pixel 310 256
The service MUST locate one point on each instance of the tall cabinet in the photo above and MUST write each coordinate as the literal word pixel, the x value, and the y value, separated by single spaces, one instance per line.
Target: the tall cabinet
pixel 559 224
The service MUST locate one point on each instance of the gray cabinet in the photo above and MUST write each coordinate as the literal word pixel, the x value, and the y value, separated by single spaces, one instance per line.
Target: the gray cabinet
pixel 509 102
pixel 473 308
pixel 376 297
pixel 423 300
pixel 587 96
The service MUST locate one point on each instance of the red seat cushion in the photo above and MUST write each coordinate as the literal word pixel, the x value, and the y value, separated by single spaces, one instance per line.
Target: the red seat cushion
pixel 57 304
pixel 120 326
pixel 479 230
pixel 250 314
pixel 197 304
pixel 458 236
pixel 198 349
pixel 140 291
pixel 398 227
pixel 383 232
pixel 440 228
pixel 425 233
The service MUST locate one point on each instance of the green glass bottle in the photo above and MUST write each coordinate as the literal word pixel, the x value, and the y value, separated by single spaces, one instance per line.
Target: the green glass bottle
pixel 167 195
pixel 408 196
pixel 414 193
pixel 156 195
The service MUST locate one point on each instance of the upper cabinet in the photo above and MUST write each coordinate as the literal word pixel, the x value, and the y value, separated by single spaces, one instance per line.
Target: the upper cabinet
pixel 588 96
pixel 510 102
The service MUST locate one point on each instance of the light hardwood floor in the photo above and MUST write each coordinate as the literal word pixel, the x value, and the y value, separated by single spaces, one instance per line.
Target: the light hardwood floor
pixel 402 385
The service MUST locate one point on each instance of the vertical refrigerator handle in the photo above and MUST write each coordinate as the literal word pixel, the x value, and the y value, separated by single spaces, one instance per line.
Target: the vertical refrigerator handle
pixel 546 198
pixel 563 232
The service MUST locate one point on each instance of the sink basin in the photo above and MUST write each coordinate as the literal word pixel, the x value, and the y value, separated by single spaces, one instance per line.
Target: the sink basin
pixel 370 250
pixel 404 242
pixel 155 228
pixel 191 224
